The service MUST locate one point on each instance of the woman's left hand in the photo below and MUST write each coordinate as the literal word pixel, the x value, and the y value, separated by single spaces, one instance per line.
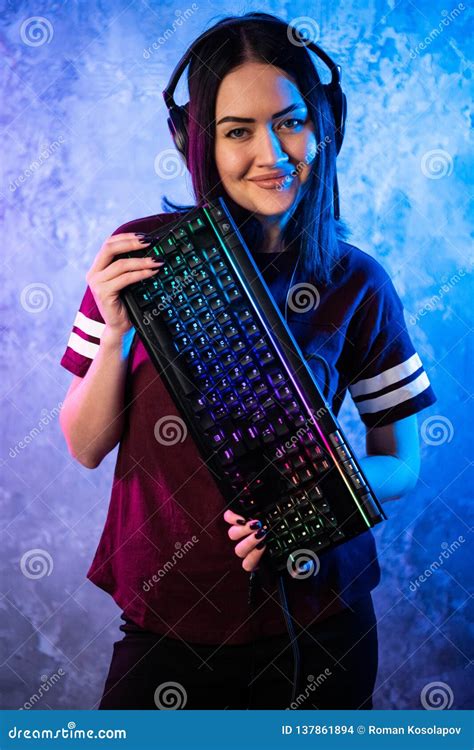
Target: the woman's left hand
pixel 246 549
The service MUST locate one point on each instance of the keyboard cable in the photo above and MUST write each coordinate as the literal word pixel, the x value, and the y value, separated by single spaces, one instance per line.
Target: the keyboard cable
pixel 254 583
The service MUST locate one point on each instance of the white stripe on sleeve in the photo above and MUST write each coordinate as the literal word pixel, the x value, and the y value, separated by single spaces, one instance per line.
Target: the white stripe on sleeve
pixel 388 377
pixel 81 346
pixel 89 326
pixel 388 400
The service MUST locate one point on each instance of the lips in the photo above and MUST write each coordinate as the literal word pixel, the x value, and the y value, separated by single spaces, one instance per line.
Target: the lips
pixel 270 183
pixel 270 176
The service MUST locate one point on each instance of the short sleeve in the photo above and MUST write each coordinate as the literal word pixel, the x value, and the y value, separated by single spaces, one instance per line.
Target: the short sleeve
pixel 388 380
pixel 84 339
pixel 88 325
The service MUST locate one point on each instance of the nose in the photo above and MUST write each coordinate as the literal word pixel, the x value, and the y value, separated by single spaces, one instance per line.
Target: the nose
pixel 269 151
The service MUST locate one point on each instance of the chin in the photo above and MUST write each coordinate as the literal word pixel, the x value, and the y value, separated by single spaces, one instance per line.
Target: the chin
pixel 274 203
pixel 274 206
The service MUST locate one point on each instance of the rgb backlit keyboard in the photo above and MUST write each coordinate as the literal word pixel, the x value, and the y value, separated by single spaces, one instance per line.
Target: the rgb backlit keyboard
pixel 242 385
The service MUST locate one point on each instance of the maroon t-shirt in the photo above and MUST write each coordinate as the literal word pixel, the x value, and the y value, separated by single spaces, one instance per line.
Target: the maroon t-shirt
pixel 164 554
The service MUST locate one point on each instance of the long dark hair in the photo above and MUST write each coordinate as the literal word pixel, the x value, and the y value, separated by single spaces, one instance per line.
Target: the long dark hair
pixel 312 226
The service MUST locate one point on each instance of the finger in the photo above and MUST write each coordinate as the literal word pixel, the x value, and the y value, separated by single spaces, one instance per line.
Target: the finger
pixel 252 560
pixel 127 264
pixel 232 517
pixel 248 544
pixel 125 279
pixel 111 248
pixel 237 531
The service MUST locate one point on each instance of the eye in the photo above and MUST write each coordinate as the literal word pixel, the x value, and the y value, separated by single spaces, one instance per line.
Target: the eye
pixel 293 119
pixel 235 130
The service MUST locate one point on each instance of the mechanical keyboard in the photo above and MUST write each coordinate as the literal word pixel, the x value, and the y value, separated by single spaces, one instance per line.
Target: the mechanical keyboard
pixel 241 383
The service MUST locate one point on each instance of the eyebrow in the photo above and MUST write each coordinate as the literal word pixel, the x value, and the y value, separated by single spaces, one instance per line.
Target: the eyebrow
pixel 232 118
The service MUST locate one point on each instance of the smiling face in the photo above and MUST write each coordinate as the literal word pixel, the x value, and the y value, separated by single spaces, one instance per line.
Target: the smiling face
pixel 263 128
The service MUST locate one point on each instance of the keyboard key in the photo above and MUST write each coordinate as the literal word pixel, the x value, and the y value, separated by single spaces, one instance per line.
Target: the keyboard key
pixel 208 289
pixel 223 317
pixel 205 317
pixel 266 357
pixel 212 253
pixel 215 303
pixel 237 345
pixel 215 370
pixel 242 387
pixel 197 303
pixel 194 261
pixel 232 294
pixel 181 342
pixel 186 313
pixel 230 331
pixel 218 265
pixel 225 280
pixel 201 275
pixel 177 261
pixel 213 331
pixel 314 496
pixel 216 435
pixel 191 356
pixel 196 225
pixel 244 314
pixel 198 403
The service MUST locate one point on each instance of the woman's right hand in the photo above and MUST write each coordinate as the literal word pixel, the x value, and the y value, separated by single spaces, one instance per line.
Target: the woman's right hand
pixel 106 278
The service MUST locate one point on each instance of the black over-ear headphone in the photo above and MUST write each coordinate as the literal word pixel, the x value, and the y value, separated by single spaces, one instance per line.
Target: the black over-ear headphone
pixel 178 114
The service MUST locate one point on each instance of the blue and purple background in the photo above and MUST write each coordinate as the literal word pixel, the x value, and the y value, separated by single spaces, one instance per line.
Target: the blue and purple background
pixel 85 147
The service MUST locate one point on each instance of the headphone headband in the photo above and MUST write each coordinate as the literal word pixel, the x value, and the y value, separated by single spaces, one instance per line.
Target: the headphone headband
pixel 168 92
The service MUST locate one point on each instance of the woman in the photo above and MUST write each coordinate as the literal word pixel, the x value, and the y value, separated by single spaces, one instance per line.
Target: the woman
pixel 173 561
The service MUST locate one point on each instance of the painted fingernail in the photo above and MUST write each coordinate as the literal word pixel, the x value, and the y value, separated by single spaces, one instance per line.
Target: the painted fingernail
pixel 241 521
pixel 255 525
pixel 261 545
pixel 139 234
pixel 260 533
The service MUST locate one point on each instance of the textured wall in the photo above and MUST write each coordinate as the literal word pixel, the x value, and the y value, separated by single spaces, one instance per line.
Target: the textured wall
pixel 85 144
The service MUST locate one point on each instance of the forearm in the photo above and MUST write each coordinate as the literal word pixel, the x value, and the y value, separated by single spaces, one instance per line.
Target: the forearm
pixel 389 476
pixel 92 416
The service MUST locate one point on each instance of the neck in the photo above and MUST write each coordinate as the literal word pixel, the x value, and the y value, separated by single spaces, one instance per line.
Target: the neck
pixel 272 234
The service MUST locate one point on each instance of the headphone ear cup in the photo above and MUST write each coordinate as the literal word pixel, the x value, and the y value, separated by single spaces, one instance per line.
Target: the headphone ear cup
pixel 178 127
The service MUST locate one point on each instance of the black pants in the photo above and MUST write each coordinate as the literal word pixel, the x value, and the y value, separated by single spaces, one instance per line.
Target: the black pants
pixel 339 659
